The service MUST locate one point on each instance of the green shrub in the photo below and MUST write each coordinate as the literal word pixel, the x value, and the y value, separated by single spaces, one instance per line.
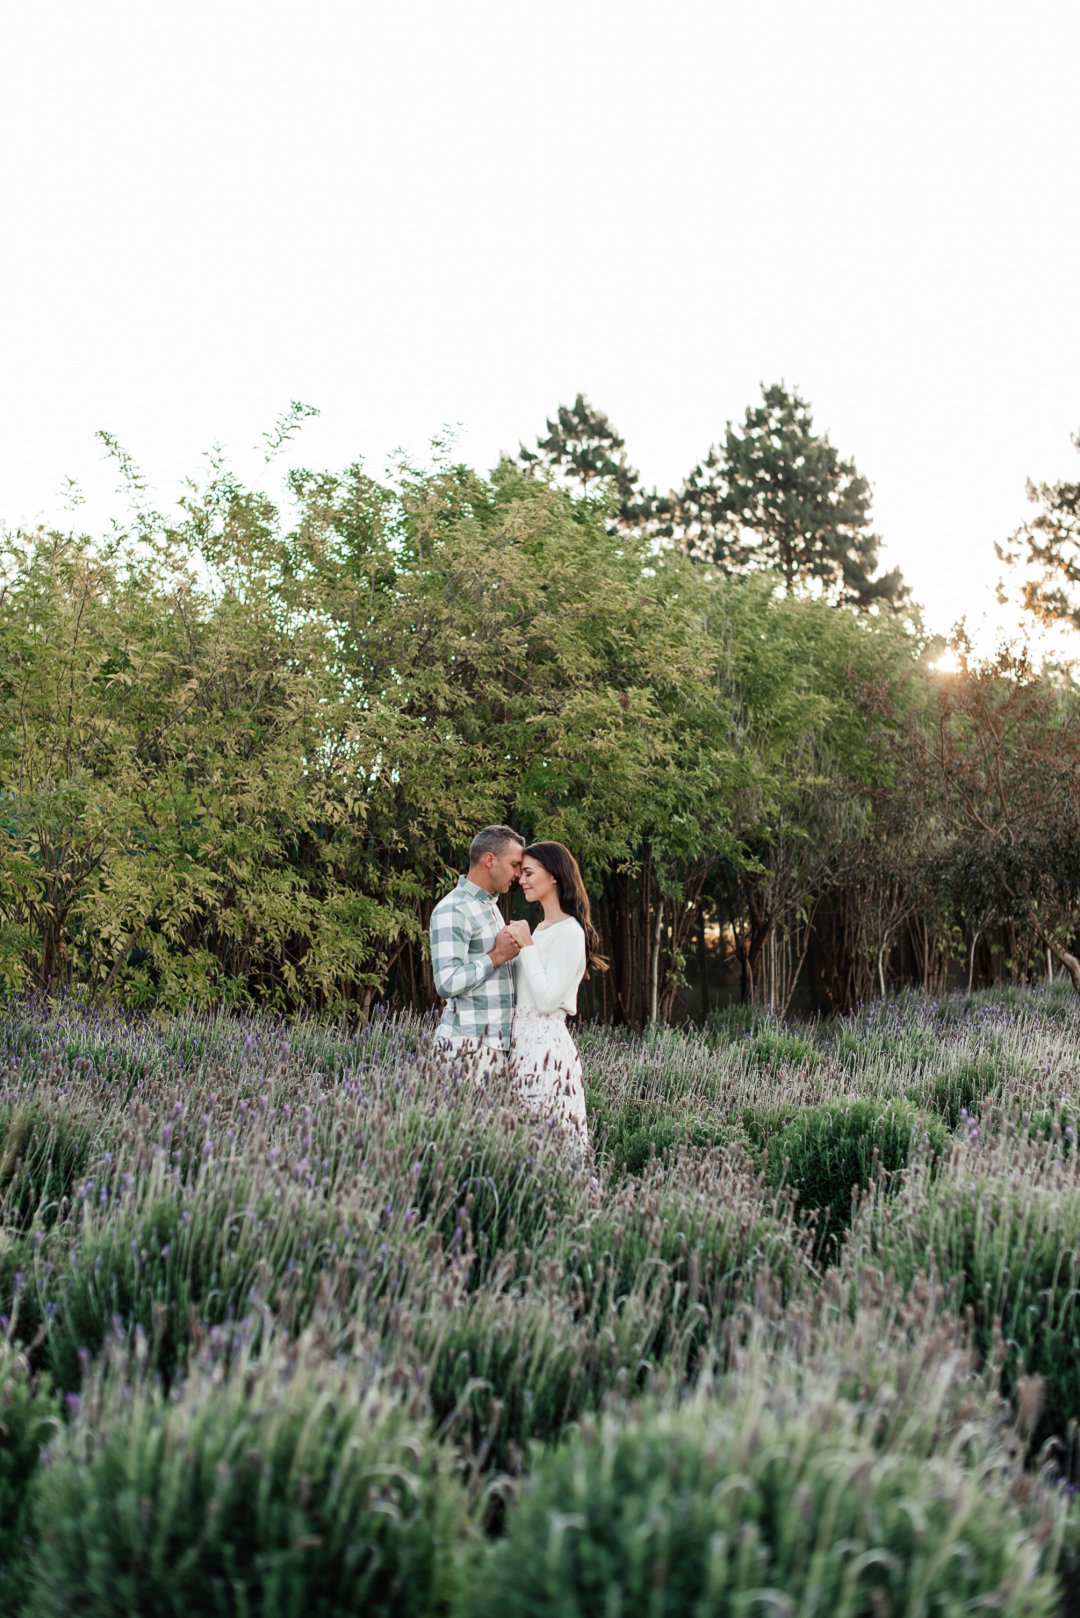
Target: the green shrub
pixel 507 1184
pixel 39 1158
pixel 732 1023
pixel 641 1289
pixel 829 1153
pixel 509 1369
pixel 630 1137
pixel 753 1507
pixel 1000 1225
pixel 895 1034
pixel 760 1123
pixel 28 1418
pixel 172 1269
pixel 676 1251
pixel 1056 1125
pixel 290 1489
pixel 958 1091
pixel 774 1046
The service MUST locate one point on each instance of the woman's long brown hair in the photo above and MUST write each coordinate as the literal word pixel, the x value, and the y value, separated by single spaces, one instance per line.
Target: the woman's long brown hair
pixel 559 863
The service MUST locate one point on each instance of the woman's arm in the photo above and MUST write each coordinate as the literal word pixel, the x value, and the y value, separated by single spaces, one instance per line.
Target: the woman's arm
pixel 555 979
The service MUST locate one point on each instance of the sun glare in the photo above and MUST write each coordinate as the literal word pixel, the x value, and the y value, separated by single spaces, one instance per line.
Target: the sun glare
pixel 949 662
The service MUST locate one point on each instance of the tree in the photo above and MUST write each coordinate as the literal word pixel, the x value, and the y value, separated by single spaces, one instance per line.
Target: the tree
pixel 1003 761
pixel 811 718
pixel 573 671
pixel 1048 550
pixel 582 452
pixel 777 495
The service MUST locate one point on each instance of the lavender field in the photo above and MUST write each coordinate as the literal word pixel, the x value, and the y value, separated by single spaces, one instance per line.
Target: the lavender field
pixel 295 1321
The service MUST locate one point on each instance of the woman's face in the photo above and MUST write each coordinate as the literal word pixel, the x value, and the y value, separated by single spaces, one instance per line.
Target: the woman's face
pixel 536 883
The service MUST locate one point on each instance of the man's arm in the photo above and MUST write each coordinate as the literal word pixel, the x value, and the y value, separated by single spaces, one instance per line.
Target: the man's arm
pixel 454 970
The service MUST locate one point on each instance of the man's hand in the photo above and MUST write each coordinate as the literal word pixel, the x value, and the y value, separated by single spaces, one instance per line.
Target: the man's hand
pixel 522 933
pixel 504 948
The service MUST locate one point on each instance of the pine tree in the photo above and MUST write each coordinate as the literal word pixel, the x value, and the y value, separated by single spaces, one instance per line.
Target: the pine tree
pixel 581 451
pixel 1048 549
pixel 777 495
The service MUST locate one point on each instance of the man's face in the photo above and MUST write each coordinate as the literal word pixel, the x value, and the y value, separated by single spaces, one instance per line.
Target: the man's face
pixel 506 867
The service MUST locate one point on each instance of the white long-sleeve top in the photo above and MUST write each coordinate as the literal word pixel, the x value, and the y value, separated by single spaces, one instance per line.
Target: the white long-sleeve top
pixel 547 973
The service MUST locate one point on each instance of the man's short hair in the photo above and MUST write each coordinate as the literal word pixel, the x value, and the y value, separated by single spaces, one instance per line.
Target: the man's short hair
pixel 492 840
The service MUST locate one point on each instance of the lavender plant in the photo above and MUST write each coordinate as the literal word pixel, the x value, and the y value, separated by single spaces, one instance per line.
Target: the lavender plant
pixel 182 1199
pixel 1000 1225
pixel 766 1501
pixel 295 1484
pixel 29 1416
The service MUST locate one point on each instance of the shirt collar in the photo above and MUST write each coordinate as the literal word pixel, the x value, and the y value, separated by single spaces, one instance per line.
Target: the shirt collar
pixel 475 891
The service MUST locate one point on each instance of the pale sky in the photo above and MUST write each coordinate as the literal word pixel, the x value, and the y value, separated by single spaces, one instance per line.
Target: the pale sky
pixel 426 212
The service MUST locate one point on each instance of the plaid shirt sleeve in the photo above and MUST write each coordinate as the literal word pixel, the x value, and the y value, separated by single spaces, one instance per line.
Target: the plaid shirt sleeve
pixel 454 969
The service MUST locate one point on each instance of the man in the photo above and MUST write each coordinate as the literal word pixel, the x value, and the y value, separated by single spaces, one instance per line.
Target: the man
pixel 471 951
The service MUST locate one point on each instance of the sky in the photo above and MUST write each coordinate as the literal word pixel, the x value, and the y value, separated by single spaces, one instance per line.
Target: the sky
pixel 427 213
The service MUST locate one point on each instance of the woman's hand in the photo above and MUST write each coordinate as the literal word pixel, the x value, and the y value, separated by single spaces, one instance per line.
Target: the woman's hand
pixel 521 932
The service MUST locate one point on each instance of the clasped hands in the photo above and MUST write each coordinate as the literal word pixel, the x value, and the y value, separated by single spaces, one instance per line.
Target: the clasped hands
pixel 510 941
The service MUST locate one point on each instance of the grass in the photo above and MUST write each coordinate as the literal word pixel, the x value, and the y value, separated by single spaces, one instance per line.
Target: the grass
pixel 224 1238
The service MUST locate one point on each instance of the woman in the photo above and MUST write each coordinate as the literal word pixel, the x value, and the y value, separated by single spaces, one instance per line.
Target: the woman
pixel 544 1062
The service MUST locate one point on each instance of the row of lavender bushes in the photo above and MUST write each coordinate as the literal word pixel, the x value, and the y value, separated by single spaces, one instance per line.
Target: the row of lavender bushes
pixel 295 1320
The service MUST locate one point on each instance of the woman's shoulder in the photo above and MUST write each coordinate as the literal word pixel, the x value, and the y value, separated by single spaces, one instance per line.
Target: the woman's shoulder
pixel 567 930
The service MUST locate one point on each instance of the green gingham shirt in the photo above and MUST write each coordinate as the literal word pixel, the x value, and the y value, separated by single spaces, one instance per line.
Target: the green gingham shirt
pixel 479 996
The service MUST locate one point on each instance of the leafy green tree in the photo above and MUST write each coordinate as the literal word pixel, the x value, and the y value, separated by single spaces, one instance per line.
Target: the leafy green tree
pixel 574 682
pixel 242 750
pixel 160 750
pixel 1003 762
pixel 814 687
pixel 777 495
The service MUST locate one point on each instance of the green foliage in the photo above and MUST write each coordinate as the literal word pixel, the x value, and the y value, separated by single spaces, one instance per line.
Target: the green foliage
pixel 1000 1225
pixel 637 1288
pixel 28 1419
pixel 243 745
pixel 831 1152
pixel 762 1123
pixel 677 1248
pixel 291 1487
pixel 236 756
pixel 958 1092
pixel 510 1369
pixel 774 1045
pixel 1048 550
pixel 582 451
pixel 734 1021
pixel 717 1508
pixel 273 1234
pixel 1002 760
pixel 631 1135
pixel 39 1157
pixel 777 495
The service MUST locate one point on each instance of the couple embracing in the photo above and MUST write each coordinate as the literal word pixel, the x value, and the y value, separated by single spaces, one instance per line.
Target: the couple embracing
pixel 509 988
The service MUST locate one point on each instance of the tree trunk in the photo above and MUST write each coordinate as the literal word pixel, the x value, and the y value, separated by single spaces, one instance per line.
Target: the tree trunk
pixel 654 974
pixel 1060 953
pixel 703 962
pixel 971 963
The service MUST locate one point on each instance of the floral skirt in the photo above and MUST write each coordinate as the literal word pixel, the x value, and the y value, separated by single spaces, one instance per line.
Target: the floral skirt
pixel 546 1071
